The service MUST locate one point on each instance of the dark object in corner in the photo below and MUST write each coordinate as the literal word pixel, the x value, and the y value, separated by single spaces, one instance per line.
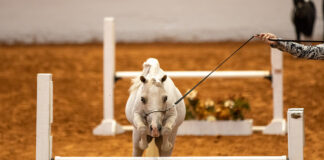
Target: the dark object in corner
pixel 304 15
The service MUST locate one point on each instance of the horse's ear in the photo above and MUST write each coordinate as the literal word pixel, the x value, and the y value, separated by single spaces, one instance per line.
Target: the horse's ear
pixel 142 78
pixel 164 78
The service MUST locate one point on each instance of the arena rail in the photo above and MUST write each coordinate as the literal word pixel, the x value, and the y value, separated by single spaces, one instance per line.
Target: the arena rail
pixel 44 141
pixel 109 126
pixel 176 158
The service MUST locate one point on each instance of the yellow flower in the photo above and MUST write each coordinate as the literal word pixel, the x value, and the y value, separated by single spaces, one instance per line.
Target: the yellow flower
pixel 211 118
pixel 229 104
pixel 192 95
pixel 209 103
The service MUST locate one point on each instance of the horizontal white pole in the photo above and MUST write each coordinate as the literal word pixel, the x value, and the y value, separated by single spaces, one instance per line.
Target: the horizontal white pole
pixel 217 74
pixel 258 128
pixel 127 127
pixel 177 158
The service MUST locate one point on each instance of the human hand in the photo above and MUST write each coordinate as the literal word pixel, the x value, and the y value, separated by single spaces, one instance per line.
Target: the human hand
pixel 266 36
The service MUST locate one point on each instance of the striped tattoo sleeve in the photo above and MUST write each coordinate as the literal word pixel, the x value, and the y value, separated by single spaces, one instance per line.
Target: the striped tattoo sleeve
pixel 301 51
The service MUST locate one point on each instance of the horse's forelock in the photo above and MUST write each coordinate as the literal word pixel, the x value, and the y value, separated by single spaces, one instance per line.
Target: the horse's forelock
pixel 156 82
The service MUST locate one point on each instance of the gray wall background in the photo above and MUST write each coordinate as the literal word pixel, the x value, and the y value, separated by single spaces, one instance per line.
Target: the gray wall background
pixel 78 21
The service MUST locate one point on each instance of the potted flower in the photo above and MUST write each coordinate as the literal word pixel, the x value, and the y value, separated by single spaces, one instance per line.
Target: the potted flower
pixel 205 117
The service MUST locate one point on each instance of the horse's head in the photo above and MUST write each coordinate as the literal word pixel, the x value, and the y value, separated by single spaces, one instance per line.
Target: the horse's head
pixel 154 98
pixel 299 2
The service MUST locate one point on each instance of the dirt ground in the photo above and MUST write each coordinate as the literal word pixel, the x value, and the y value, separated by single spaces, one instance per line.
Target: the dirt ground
pixel 77 75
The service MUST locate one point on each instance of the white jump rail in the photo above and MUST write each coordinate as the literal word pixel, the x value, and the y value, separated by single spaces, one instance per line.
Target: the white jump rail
pixel 109 126
pixel 44 120
pixel 176 158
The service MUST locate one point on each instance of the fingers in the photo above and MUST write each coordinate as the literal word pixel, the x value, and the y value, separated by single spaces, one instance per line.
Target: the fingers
pixel 269 35
pixel 266 36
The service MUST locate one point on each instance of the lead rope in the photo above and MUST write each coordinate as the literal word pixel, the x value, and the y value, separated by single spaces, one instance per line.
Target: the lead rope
pixel 218 66
pixel 201 81
pixel 285 40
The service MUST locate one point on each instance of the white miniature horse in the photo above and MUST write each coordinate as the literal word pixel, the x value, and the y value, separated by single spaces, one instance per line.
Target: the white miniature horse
pixel 151 111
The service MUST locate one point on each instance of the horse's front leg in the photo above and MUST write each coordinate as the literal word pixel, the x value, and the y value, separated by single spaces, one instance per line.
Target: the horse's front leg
pixel 137 151
pixel 166 144
pixel 142 129
pixel 167 130
pixel 143 144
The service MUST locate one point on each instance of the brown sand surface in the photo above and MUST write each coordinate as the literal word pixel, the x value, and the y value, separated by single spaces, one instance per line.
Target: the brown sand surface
pixel 77 75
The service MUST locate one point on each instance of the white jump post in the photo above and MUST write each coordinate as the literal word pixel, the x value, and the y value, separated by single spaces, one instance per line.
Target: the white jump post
pixel 296 134
pixel 278 123
pixel 44 117
pixel 109 126
pixel 44 120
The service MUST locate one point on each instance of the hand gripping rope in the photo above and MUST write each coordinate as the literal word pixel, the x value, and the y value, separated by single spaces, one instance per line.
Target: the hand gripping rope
pixel 290 40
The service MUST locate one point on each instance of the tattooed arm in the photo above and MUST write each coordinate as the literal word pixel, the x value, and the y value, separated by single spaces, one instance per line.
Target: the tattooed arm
pixel 295 49
pixel 301 51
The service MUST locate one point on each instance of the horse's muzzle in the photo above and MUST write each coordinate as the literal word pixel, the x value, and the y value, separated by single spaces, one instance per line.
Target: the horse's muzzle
pixel 155 130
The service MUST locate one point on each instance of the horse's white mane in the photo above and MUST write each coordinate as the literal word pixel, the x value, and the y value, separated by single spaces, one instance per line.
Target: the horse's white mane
pixel 151 71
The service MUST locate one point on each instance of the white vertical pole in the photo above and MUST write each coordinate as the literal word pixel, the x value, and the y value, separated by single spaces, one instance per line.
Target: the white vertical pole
pixel 109 68
pixel 296 136
pixel 44 117
pixel 108 125
pixel 277 83
pixel 278 123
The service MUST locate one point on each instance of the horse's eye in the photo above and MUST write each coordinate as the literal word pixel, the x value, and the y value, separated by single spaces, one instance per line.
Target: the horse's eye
pixel 165 98
pixel 143 100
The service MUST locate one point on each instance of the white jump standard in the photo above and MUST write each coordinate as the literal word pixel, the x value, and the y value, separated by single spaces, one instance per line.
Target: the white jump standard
pixel 44 140
pixel 109 126
pixel 44 117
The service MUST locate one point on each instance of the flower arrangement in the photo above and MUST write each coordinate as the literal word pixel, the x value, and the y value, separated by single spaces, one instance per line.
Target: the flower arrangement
pixel 230 109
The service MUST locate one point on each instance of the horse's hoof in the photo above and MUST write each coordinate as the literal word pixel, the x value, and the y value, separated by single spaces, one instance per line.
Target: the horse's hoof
pixel 143 145
pixel 166 147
